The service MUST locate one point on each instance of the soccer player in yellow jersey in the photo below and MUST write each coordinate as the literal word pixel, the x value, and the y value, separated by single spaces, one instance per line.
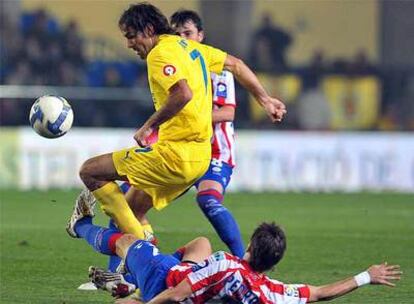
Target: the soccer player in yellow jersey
pixel 179 78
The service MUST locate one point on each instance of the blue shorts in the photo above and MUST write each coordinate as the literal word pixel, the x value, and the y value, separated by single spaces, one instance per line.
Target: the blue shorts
pixel 149 268
pixel 217 171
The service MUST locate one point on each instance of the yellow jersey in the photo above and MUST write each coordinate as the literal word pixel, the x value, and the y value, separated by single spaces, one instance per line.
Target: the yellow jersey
pixel 174 59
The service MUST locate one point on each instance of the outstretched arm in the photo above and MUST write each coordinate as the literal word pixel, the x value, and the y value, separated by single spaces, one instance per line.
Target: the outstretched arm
pixel 173 295
pixel 377 274
pixel 274 108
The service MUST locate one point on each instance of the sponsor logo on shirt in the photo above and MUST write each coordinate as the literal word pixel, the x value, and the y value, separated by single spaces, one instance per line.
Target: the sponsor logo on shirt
pixel 239 290
pixel 139 245
pixel 221 90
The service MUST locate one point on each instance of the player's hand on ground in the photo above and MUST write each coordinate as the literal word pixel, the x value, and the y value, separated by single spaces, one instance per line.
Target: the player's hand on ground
pixel 142 136
pixel 383 274
pixel 275 109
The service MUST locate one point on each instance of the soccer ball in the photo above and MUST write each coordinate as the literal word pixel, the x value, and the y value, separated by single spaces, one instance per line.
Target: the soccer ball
pixel 51 116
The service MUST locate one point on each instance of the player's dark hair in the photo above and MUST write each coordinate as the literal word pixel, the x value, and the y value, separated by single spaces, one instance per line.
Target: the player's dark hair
pixel 142 15
pixel 179 18
pixel 267 246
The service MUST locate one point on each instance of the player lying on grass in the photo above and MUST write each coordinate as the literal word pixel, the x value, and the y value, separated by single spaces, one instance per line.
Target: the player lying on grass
pixel 179 80
pixel 194 275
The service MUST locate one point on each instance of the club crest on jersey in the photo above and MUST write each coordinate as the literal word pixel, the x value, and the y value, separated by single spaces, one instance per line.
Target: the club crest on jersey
pixel 169 70
pixel 221 90
pixel 291 291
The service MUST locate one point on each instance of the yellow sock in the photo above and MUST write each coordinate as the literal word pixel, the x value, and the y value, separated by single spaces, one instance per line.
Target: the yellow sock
pixel 114 204
pixel 148 228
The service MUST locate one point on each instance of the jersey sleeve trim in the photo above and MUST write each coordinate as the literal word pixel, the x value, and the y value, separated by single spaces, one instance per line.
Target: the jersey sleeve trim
pixel 221 101
pixel 304 292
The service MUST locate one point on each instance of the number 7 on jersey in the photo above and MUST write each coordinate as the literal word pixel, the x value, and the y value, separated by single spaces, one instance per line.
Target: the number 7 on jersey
pixel 196 54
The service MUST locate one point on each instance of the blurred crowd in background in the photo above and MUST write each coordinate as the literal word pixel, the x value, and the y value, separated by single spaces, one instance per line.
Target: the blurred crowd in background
pixel 41 52
pixel 336 95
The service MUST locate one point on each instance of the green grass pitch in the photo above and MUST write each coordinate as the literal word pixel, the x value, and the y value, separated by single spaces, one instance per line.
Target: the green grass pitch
pixel 330 236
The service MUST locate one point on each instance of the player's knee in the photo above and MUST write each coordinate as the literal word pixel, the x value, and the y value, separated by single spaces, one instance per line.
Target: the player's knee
pixel 123 244
pixel 204 244
pixel 126 240
pixel 85 172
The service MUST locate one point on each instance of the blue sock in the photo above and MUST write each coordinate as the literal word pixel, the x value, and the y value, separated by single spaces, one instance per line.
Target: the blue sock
pixel 98 237
pixel 222 220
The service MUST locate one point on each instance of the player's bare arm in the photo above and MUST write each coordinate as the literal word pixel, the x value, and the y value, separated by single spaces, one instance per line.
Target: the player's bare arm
pixel 225 113
pixel 128 301
pixel 274 108
pixel 172 295
pixel 377 274
pixel 180 95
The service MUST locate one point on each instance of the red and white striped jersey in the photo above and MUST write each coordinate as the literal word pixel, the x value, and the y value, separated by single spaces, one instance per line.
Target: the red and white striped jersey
pixel 223 275
pixel 223 132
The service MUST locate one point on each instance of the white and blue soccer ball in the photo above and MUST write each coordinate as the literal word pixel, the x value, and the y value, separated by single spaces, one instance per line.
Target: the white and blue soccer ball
pixel 51 116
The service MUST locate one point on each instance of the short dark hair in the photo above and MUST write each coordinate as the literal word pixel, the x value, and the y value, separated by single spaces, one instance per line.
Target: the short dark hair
pixel 181 17
pixel 267 246
pixel 140 16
